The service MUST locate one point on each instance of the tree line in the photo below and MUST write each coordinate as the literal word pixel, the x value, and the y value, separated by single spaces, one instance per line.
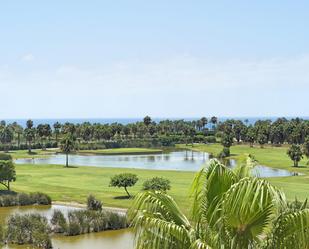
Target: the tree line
pixel 14 136
pixel 147 133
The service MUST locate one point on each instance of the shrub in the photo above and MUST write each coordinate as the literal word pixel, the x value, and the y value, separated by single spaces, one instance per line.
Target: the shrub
pixel 93 203
pixel 224 153
pixel 58 222
pixel 23 199
pixel 5 157
pixel 40 198
pixel 157 184
pixel 116 221
pixel 28 229
pixel 87 221
pixel 1 235
pixel 210 139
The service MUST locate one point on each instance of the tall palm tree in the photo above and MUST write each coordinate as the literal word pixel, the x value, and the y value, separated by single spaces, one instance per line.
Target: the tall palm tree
pixel 67 145
pixel 231 209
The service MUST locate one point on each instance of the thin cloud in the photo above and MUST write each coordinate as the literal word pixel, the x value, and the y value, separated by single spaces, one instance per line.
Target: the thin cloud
pixel 28 57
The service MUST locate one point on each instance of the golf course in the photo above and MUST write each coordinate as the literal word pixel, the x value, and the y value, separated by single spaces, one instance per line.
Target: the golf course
pixel 73 184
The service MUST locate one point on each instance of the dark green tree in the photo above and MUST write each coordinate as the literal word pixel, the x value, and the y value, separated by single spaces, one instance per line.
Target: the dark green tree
pixel 67 145
pixel 306 147
pixel 124 180
pixel 295 153
pixel 7 173
pixel 57 127
pixel 6 137
pixel 147 120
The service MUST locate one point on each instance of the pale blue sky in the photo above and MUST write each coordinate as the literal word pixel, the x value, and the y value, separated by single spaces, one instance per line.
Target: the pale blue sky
pixel 66 59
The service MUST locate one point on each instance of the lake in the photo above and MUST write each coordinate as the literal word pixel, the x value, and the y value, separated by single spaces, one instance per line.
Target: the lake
pixel 119 239
pixel 174 160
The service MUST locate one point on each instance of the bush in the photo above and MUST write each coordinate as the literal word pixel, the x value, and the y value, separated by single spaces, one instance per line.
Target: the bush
pixel 5 157
pixel 2 232
pixel 224 153
pixel 87 221
pixel 28 229
pixel 157 184
pixel 40 198
pixel 93 203
pixel 210 139
pixel 58 222
pixel 23 199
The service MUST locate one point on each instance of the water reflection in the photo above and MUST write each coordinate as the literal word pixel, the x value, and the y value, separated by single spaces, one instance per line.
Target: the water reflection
pixel 175 160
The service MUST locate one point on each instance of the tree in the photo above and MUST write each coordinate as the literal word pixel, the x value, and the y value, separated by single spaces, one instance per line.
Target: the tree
pixel 227 140
pixel 157 184
pixel 147 120
pixel 306 147
pixel 57 127
pixel 230 209
pixel 67 145
pixel 6 137
pixel 7 173
pixel 18 129
pixel 251 135
pixel 44 131
pixel 29 134
pixel 214 120
pixel 204 121
pixel 295 153
pixel 124 180
pixel 262 139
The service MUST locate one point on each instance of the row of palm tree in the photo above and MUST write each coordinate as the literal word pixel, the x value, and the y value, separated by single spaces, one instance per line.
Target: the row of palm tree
pixel 231 210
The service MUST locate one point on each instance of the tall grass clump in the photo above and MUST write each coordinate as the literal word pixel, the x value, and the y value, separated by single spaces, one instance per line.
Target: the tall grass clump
pixel 87 221
pixel 23 199
pixel 58 222
pixel 93 203
pixel 28 229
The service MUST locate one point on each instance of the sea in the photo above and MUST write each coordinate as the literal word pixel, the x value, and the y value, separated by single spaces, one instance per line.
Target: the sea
pixel 51 121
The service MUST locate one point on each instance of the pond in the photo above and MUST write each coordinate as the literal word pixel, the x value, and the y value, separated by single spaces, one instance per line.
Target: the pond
pixel 120 239
pixel 175 160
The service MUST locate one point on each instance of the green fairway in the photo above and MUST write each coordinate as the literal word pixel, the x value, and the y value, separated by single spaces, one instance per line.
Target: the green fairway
pixel 75 184
pixel 275 157
pixel 37 153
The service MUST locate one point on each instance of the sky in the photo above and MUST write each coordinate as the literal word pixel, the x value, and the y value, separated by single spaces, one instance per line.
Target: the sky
pixel 107 59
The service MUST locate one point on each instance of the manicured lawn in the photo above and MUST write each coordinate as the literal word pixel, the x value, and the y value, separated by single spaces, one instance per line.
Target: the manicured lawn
pixel 121 151
pixel 37 153
pixel 75 184
pixel 274 157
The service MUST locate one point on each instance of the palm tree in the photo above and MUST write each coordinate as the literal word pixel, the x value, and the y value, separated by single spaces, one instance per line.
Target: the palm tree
pixel 231 209
pixel 57 127
pixel 6 137
pixel 67 145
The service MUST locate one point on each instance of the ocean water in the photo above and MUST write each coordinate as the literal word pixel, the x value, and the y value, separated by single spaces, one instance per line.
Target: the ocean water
pixel 51 121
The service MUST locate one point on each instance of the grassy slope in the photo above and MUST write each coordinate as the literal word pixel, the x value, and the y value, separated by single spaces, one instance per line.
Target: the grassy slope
pixel 75 184
pixel 274 157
